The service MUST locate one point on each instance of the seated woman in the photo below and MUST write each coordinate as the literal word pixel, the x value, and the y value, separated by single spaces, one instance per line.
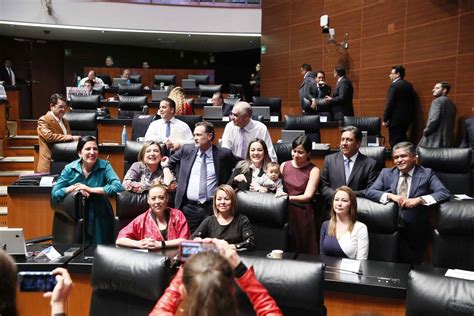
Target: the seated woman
pixel 147 170
pixel 182 106
pixel 157 228
pixel 225 224
pixel 204 286
pixel 247 171
pixel 95 179
pixel 343 236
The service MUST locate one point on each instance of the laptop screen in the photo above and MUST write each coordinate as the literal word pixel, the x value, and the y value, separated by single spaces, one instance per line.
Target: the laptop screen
pixel 212 113
pixel 189 83
pixel 288 136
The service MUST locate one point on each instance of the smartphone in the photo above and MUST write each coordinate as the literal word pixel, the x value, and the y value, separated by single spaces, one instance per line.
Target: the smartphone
pixel 189 248
pixel 36 281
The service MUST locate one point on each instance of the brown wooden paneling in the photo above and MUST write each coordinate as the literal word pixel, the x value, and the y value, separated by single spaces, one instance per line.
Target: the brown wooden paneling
pixel 354 76
pixel 466 39
pixel 426 42
pixel 465 74
pixel 386 49
pixel 383 17
pixel 374 82
pixel 334 7
pixel 372 107
pixel 334 56
pixel 272 3
pixel 277 41
pixel 278 87
pixel 305 36
pixel 467 6
pixel 348 22
pixel 427 11
pixel 276 66
pixel 310 56
pixel 306 10
pixel 465 105
pixel 276 17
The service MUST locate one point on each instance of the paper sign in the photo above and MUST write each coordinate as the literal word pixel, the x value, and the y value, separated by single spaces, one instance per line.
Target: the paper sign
pixel 460 274
pixel 350 265
pixel 46 181
pixel 323 119
pixel 225 118
pixel 274 118
pixel 51 253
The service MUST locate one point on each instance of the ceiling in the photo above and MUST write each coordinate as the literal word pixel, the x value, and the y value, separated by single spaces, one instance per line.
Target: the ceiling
pixel 192 42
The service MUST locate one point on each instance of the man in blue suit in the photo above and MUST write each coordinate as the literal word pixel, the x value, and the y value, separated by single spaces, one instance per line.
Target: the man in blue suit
pixel 413 188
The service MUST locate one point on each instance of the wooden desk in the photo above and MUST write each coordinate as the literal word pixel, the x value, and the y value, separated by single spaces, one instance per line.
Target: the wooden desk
pixel 13 95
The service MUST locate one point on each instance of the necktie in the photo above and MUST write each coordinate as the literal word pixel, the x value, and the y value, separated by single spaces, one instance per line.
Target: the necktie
pixel 242 149
pixel 404 186
pixel 347 169
pixel 10 75
pixel 168 129
pixel 203 179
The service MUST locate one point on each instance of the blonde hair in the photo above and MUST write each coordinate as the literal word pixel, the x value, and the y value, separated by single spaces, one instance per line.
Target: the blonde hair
pixel 177 95
pixel 229 191
pixel 352 211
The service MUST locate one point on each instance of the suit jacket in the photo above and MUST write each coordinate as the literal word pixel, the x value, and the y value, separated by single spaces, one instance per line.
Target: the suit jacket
pixel 227 109
pixel 224 162
pixel 363 174
pixel 50 132
pixel 401 104
pixel 424 182
pixel 468 134
pixel 4 76
pixel 242 185
pixel 439 130
pixel 305 86
pixel 317 93
pixel 341 103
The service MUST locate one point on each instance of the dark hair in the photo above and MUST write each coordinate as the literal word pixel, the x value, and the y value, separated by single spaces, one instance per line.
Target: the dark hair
pixel 354 130
pixel 55 97
pixel 399 69
pixel 340 71
pixel 171 103
pixel 306 67
pixel 84 140
pixel 303 141
pixel 406 146
pixel 320 72
pixel 145 146
pixel 352 212
pixel 89 81
pixel 445 85
pixel 244 165
pixel 208 127
pixel 8 281
pixel 207 278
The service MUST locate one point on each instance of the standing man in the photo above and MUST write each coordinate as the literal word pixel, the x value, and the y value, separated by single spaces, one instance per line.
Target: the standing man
pixel 52 128
pixel 341 101
pixel 317 94
pixel 413 188
pixel 238 133
pixel 7 75
pixel 308 81
pixel 401 106
pixel 202 167
pixel 168 129
pixel 439 130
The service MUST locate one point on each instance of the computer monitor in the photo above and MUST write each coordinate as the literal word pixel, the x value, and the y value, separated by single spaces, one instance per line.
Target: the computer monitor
pixel 12 241
pixel 117 81
pixel 158 95
pixel 75 91
pixel 288 136
pixel 188 84
pixel 212 113
pixel 261 111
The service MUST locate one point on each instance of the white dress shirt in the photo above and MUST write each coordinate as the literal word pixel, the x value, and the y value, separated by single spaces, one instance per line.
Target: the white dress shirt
pixel 97 80
pixel 12 75
pixel 61 123
pixel 180 132
pixel 192 192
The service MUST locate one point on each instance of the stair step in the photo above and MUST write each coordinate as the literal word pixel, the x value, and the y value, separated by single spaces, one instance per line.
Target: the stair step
pixel 22 140
pixel 17 163
pixel 19 151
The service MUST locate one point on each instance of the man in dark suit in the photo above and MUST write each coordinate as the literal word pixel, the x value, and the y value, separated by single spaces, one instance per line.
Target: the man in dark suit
pixel 413 188
pixel 308 81
pixel 318 91
pixel 341 101
pixel 218 100
pixel 348 167
pixel 401 106
pixel 468 138
pixel 439 130
pixel 202 167
pixel 7 74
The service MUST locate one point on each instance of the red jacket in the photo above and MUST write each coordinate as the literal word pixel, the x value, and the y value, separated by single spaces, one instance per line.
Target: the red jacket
pixel 262 302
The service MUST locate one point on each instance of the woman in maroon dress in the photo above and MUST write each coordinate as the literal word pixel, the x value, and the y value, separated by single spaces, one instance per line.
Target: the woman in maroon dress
pixel 301 179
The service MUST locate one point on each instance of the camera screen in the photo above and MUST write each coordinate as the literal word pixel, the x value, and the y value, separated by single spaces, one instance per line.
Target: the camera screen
pixel 190 248
pixel 36 281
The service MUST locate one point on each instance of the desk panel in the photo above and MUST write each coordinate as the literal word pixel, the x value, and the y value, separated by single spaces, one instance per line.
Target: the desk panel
pixel 13 95
pixel 350 304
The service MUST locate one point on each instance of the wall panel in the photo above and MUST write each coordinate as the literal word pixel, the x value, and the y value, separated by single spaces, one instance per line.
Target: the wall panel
pixel 383 17
pixel 427 11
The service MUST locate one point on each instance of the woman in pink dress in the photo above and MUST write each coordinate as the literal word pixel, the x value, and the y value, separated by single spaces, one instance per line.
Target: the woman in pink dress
pixel 301 179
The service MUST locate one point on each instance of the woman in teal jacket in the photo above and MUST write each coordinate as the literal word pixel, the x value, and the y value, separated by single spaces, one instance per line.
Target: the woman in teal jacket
pixel 96 179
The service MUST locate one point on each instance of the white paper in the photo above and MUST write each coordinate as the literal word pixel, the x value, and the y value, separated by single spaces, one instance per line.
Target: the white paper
pixel 462 197
pixel 46 181
pixel 51 253
pixel 209 101
pixel 460 274
pixel 323 119
pixel 225 118
pixel 350 265
pixel 274 118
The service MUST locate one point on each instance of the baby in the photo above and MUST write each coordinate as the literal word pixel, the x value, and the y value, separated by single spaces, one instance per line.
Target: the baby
pixel 270 181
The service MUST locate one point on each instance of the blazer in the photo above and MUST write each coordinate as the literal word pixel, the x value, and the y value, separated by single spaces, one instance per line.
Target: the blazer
pixel 317 93
pixel 50 132
pixel 244 186
pixel 224 162
pixel 341 103
pixel 424 182
pixel 305 86
pixel 401 104
pixel 439 130
pixel 363 174
pixel 4 76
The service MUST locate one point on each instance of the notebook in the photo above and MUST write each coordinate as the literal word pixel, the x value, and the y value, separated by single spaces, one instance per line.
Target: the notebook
pixel 288 136
pixel 212 113
pixel 261 110
pixel 189 84
pixel 12 241
pixel 158 95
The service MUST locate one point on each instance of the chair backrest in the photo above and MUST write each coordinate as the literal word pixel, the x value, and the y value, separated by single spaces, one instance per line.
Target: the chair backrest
pixel 273 102
pixel 130 154
pixel 168 80
pixel 132 103
pixel 61 155
pixel 269 218
pixel 296 286
pixel 85 102
pixel 200 79
pixel 382 224
pixel 136 78
pixel 454 236
pixel 130 89
pixel 207 90
pixel 106 79
pixel 451 165
pixel 82 123
pixel 364 123
pixel 283 152
pixel 377 153
pixel 309 123
pixel 237 88
pixel 67 219
pixel 130 205
pixel 437 295
pixel 140 124
pixel 191 120
pixel 126 281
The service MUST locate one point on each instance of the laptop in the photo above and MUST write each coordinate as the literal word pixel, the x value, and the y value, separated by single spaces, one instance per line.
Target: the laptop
pixel 158 95
pixel 12 241
pixel 288 136
pixel 261 110
pixel 189 84
pixel 212 113
pixel 75 91
pixel 117 81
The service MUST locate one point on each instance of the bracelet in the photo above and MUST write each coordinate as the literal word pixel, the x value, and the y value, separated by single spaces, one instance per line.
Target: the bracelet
pixel 163 244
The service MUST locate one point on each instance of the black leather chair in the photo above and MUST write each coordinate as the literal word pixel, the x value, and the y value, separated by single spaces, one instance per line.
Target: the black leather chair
pixel 82 123
pixel 436 295
pixel 207 90
pixel 131 105
pixel 168 80
pixel 273 102
pixel 453 238
pixel 68 219
pixel 135 78
pixel 140 124
pixel 130 205
pixel 451 165
pixel 283 152
pixel 106 79
pixel 237 89
pixel 269 218
pixel 85 102
pixel 382 224
pixel 135 89
pixel 130 154
pixel 377 153
pixel 191 120
pixel 127 282
pixel 369 124
pixel 61 155
pixel 309 123
pixel 296 286
pixel 200 79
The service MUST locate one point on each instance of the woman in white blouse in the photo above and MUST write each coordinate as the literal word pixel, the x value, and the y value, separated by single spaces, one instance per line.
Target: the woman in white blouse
pixel 343 236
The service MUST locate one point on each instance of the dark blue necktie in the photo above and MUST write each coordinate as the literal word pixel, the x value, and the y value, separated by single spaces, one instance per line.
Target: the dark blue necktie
pixel 203 179
pixel 168 129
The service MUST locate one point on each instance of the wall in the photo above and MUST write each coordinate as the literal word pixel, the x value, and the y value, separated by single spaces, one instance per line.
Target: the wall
pixel 433 39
